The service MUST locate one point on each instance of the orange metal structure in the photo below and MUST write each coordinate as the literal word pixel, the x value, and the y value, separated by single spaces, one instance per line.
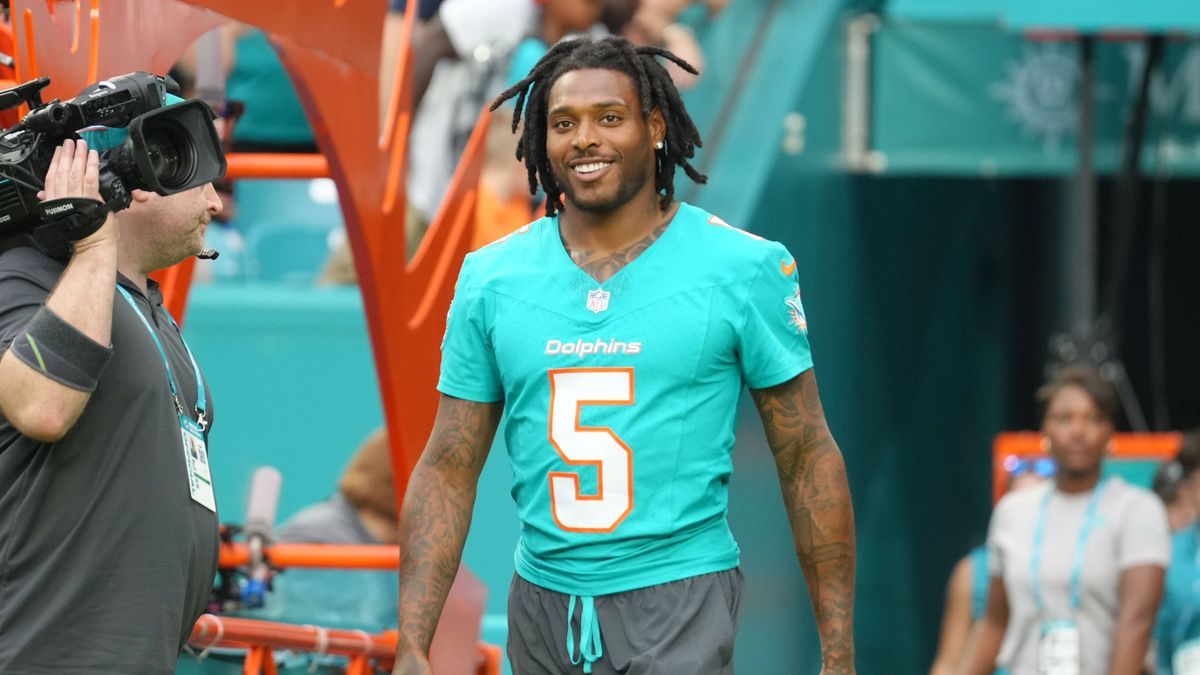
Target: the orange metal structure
pixel 275 165
pixel 1160 446
pixel 338 556
pixel 261 637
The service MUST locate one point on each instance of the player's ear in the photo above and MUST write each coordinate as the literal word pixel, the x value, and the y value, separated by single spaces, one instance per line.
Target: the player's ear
pixel 658 128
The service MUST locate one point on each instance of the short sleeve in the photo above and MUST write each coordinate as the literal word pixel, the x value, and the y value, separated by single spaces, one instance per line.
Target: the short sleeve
pixel 20 299
pixel 468 362
pixel 773 342
pixel 471 23
pixel 995 552
pixel 1145 537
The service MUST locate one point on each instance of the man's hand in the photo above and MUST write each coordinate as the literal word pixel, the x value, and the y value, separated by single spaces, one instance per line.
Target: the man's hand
pixel 75 172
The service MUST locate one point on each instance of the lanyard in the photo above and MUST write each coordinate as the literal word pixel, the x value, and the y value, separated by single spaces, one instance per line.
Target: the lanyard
pixel 200 403
pixel 1039 531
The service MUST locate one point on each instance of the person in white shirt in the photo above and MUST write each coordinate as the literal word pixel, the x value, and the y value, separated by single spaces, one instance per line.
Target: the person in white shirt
pixel 1076 567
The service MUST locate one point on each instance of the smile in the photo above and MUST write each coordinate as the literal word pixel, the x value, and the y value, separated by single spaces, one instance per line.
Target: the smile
pixel 593 167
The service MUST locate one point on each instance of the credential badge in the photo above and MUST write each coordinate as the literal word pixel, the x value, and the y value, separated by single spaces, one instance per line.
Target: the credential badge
pixel 597 300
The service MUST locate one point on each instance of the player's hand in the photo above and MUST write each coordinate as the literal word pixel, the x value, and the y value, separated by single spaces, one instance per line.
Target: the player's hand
pixel 75 172
pixel 411 663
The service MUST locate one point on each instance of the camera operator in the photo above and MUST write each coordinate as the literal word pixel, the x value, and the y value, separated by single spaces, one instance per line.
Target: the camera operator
pixel 108 527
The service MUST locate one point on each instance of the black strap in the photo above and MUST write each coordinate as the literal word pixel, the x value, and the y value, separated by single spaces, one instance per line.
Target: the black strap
pixel 74 218
pixel 64 222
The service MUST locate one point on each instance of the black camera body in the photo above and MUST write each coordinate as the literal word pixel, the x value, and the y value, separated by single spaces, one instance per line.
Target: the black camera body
pixel 168 149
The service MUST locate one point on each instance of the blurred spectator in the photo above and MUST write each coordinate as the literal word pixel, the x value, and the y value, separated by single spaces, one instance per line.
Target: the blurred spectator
pixel 389 54
pixel 468 48
pixel 504 200
pixel 643 22
pixel 966 592
pixel 1076 567
pixel 1177 483
pixel 463 55
pixel 272 118
pixel 1177 632
pixel 657 22
pixel 261 113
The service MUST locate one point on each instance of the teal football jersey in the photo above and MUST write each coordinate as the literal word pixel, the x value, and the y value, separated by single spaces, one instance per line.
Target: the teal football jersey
pixel 620 397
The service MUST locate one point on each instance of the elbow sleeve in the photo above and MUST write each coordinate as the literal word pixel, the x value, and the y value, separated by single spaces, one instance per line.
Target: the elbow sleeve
pixel 57 350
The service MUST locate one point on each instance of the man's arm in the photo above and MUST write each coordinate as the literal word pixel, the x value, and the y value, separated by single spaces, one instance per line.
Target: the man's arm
pixel 430 44
pixel 36 405
pixel 435 520
pixel 956 620
pixel 984 645
pixel 1139 592
pixel 812 476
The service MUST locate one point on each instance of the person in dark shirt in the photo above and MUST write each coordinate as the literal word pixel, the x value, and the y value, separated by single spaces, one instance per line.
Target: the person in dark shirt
pixel 108 525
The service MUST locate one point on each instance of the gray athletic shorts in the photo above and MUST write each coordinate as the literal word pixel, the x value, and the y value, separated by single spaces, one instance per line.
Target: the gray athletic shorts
pixel 685 627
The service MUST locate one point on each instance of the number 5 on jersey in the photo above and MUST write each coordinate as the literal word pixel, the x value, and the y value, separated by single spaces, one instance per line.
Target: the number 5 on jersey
pixel 570 390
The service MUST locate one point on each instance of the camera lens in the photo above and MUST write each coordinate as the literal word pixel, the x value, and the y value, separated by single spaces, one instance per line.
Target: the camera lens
pixel 170 153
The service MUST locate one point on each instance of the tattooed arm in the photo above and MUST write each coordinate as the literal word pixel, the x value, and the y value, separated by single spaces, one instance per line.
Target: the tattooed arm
pixel 812 476
pixel 435 520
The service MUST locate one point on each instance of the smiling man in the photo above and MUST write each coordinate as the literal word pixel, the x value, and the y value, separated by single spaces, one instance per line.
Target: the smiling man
pixel 615 335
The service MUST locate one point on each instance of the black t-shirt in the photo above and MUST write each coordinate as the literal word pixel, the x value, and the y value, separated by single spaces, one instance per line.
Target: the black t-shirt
pixel 105 559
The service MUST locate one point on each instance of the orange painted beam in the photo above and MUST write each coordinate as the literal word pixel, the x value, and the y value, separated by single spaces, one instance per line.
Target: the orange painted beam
pixel 336 556
pixel 276 165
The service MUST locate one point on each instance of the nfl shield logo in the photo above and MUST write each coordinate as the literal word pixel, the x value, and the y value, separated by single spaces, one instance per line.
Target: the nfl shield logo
pixel 598 300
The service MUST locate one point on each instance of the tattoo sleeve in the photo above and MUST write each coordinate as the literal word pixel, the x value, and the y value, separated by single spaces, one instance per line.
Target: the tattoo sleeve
pixel 437 513
pixel 812 475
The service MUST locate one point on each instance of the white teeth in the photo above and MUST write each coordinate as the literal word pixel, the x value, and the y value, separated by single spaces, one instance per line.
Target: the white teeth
pixel 591 168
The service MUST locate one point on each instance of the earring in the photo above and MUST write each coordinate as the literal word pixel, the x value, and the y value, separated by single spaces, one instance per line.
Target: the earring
pixel 658 145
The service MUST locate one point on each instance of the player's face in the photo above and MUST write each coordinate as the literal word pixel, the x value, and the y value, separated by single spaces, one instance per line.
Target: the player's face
pixel 1077 430
pixel 600 147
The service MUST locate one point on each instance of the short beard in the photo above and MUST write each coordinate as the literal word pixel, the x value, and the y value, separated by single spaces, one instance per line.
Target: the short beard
pixel 174 252
pixel 629 186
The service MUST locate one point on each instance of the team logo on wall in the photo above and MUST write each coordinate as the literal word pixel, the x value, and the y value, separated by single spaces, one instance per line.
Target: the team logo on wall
pixel 795 311
pixel 1041 92
pixel 597 300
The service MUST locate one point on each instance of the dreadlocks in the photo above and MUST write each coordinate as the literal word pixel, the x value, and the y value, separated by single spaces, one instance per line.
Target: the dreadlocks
pixel 654 88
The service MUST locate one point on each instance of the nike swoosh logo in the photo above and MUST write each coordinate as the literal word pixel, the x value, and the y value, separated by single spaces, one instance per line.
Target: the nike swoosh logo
pixel 786 268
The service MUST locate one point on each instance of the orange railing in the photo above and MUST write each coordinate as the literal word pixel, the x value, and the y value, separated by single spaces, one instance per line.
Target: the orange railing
pixel 332 556
pixel 259 638
pixel 364 651
pixel 1028 444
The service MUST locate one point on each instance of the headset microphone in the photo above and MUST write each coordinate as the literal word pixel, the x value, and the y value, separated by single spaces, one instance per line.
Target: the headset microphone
pixel 208 254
